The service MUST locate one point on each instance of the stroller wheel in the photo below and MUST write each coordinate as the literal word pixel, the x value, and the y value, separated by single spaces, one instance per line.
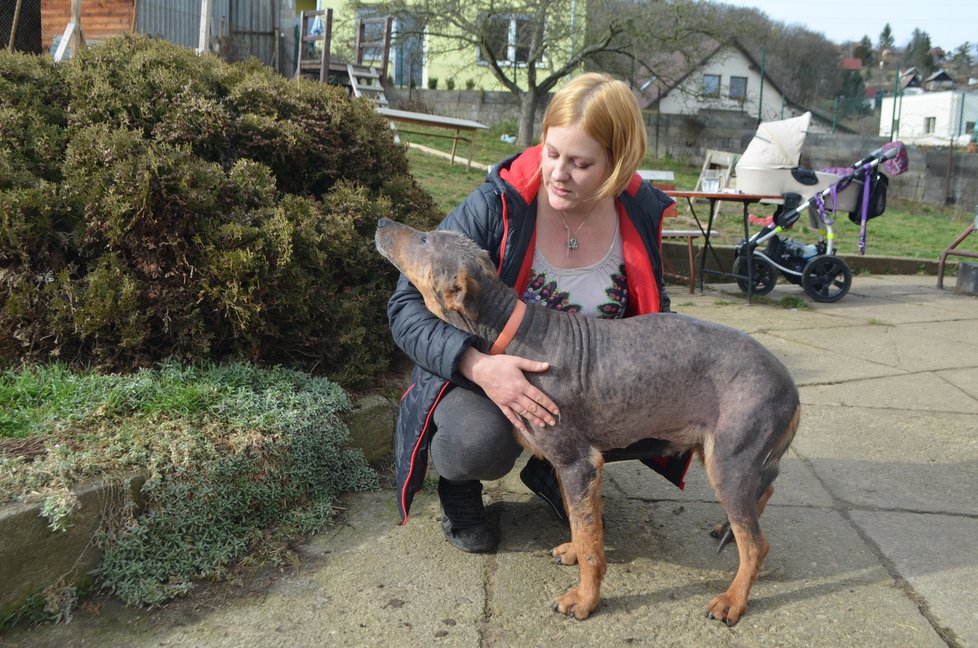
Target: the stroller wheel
pixel 762 272
pixel 826 278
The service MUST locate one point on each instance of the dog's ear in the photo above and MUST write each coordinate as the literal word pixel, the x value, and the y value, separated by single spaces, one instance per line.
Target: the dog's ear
pixel 462 295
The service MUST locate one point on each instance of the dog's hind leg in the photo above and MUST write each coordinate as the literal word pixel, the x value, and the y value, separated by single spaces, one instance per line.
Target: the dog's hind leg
pixel 581 484
pixel 723 533
pixel 769 472
pixel 738 494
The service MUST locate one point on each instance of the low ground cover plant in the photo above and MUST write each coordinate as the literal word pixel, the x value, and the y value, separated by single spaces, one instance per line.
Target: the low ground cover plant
pixel 236 460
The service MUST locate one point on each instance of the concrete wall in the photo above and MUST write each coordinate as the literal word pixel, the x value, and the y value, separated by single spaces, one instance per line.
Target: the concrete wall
pixel 34 558
pixel 934 177
pixel 489 108
pixel 686 137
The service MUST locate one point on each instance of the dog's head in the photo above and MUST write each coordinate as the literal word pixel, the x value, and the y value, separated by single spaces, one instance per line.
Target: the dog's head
pixel 446 267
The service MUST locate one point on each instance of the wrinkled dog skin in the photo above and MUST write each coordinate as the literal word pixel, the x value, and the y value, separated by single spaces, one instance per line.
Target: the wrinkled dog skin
pixel 690 384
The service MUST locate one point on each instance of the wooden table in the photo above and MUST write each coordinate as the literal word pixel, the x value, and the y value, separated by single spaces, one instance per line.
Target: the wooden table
pixel 458 125
pixel 688 236
pixel 714 198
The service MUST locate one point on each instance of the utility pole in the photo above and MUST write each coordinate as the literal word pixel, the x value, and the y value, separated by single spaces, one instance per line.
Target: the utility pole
pixel 13 26
pixel 760 96
pixel 896 93
pixel 205 27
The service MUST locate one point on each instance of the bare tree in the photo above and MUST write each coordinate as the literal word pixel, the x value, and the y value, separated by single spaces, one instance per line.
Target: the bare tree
pixel 531 45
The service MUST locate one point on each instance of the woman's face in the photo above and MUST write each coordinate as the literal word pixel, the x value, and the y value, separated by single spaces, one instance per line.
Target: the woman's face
pixel 574 168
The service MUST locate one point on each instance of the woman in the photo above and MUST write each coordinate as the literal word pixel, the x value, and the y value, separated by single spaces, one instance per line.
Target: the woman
pixel 571 226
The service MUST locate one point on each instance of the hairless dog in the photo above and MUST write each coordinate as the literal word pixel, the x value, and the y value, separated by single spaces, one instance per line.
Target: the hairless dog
pixel 690 384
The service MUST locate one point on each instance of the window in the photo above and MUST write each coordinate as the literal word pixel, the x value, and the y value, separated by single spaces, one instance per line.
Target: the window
pixel 711 85
pixel 508 38
pixel 738 87
pixel 930 124
pixel 407 50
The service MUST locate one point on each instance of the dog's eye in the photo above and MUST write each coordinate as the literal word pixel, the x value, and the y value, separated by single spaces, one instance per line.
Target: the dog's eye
pixel 424 238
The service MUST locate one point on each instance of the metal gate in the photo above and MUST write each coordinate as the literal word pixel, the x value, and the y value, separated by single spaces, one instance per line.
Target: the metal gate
pixel 238 28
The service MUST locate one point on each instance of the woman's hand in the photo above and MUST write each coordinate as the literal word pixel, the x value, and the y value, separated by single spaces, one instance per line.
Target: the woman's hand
pixel 501 377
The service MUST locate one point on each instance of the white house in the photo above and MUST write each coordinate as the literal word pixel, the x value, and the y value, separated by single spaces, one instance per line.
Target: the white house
pixel 930 118
pixel 726 78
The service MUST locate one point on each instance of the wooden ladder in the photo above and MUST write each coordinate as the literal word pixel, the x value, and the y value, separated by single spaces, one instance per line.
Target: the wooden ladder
pixel 372 50
pixel 313 60
pixel 365 82
pixel 366 76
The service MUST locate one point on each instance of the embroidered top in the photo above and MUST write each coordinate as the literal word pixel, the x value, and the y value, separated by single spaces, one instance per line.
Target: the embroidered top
pixel 598 290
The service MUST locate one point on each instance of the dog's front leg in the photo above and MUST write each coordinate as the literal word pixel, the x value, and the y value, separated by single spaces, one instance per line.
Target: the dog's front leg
pixel 581 484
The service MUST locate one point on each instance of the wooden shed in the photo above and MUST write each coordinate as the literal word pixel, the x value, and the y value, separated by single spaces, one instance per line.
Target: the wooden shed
pixel 100 19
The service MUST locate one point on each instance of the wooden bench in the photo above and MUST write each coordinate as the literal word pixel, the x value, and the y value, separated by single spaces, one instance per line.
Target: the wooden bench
pixel 469 127
pixel 668 270
pixel 664 180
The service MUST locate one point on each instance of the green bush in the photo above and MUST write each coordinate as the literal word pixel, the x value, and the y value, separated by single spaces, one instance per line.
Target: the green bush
pixel 158 204
pixel 33 119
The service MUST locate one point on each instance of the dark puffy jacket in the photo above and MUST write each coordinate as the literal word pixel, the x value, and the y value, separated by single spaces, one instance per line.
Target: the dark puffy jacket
pixel 501 216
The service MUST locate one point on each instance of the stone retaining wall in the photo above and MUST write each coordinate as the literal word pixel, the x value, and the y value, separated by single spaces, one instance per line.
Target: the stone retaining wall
pixel 34 558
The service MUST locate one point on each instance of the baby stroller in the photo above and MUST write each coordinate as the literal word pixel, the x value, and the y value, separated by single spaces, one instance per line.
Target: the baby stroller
pixel 769 166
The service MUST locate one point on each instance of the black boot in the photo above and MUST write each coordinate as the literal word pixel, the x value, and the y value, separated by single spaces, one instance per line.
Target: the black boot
pixel 539 477
pixel 463 516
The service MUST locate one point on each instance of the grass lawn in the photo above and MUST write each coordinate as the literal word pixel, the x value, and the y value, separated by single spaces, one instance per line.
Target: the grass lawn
pixel 907 229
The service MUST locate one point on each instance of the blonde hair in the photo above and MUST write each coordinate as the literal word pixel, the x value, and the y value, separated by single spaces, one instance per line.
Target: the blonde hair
pixel 608 112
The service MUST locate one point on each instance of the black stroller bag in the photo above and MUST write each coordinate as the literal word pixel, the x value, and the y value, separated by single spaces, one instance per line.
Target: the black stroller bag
pixel 878 184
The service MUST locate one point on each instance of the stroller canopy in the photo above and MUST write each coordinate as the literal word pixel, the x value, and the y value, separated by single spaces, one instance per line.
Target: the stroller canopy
pixel 777 144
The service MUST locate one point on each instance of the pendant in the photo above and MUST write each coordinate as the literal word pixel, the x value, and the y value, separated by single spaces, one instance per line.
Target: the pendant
pixel 571 243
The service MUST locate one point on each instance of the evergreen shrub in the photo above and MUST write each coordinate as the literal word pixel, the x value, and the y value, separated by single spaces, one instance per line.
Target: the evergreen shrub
pixel 158 204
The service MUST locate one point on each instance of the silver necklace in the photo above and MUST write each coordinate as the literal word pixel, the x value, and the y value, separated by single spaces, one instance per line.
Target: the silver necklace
pixel 572 243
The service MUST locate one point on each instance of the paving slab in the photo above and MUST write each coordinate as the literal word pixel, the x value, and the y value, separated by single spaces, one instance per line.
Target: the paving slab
pixel 926 391
pixel 964 379
pixel 912 461
pixel 910 347
pixel 812 363
pixel 925 550
pixel 872 525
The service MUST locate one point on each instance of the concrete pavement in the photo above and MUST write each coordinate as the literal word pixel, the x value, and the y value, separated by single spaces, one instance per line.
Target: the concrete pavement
pixel 873 525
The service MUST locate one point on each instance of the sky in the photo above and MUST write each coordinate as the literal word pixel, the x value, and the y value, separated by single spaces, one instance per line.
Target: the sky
pixel 949 23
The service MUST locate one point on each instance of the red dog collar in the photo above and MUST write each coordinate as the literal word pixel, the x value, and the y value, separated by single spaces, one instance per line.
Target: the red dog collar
pixel 506 336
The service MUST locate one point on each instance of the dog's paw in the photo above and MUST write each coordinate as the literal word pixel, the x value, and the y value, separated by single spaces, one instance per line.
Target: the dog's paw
pixel 719 529
pixel 565 554
pixel 726 608
pixel 574 604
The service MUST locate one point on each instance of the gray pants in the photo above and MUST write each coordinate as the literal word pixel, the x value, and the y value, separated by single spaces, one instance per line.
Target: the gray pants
pixel 473 439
